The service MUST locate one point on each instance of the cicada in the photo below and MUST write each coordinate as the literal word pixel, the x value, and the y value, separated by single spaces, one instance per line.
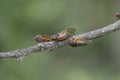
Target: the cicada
pixel 78 41
pixel 42 38
pixel 118 15
pixel 63 35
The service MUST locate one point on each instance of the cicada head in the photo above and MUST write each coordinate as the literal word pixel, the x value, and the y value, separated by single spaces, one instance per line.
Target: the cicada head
pixel 42 38
pixel 37 38
pixel 54 36
pixel 73 44
pixel 118 15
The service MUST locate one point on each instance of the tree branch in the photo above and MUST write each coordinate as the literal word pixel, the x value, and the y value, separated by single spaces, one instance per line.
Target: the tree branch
pixel 21 53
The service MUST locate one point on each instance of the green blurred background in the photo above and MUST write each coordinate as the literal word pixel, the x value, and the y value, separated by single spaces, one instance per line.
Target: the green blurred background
pixel 21 20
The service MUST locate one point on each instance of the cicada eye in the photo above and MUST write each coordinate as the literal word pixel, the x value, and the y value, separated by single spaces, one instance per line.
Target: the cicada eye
pixel 73 44
pixel 54 36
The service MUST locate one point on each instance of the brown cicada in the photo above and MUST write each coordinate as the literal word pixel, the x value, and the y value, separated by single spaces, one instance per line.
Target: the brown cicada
pixel 76 42
pixel 42 38
pixel 63 35
pixel 118 15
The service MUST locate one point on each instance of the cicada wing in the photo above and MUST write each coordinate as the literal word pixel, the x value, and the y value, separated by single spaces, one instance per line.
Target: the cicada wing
pixel 46 38
pixel 71 31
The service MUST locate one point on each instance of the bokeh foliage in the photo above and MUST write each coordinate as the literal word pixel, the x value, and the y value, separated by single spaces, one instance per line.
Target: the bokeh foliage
pixel 21 20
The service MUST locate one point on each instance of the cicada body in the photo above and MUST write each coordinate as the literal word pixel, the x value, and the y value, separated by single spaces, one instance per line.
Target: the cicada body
pixel 42 38
pixel 61 36
pixel 76 42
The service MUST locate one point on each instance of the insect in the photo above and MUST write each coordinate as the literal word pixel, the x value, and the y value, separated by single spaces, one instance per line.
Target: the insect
pixel 63 35
pixel 118 15
pixel 76 42
pixel 42 38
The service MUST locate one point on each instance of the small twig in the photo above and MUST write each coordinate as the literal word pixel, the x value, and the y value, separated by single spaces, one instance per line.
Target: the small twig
pixel 19 54
pixel 101 32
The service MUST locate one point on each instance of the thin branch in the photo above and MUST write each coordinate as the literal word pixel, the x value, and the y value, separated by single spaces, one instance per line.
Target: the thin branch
pixel 21 53
pixel 101 32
